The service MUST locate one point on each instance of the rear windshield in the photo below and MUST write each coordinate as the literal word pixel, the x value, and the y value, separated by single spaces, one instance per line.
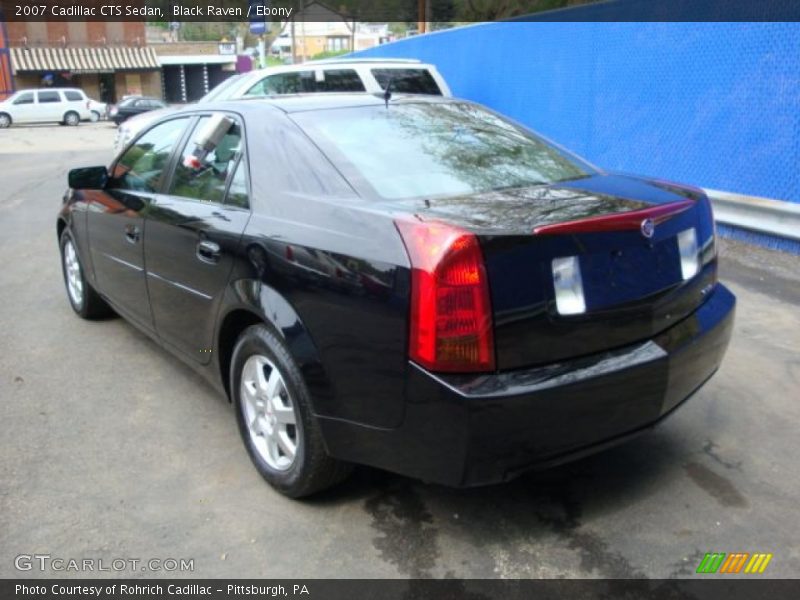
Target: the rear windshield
pixel 407 81
pixel 435 149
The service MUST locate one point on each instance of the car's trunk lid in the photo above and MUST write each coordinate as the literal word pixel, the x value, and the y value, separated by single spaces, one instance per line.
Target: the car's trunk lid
pixel 634 286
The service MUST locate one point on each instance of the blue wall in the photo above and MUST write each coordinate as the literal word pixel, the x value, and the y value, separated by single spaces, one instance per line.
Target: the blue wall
pixel 710 104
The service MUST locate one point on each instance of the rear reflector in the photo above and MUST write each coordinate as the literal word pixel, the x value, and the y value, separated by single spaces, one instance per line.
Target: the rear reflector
pixel 568 286
pixel 451 318
pixel 626 221
pixel 690 258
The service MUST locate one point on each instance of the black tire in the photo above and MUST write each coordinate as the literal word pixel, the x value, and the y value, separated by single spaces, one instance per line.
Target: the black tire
pixel 90 305
pixel 72 119
pixel 5 120
pixel 312 470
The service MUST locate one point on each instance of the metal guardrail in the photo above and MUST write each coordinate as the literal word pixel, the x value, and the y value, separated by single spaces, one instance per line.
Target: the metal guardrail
pixel 763 215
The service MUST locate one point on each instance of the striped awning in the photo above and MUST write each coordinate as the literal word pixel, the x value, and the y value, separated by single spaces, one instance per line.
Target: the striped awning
pixel 83 60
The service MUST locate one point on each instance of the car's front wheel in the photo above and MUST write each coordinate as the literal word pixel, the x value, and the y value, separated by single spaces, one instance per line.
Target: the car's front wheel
pixel 275 419
pixel 5 120
pixel 72 119
pixel 83 299
pixel 94 117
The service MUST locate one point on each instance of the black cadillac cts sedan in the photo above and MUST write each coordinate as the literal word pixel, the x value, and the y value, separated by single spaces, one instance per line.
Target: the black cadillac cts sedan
pixel 417 284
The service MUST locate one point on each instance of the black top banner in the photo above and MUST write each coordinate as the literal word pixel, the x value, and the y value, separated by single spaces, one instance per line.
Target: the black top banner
pixel 436 11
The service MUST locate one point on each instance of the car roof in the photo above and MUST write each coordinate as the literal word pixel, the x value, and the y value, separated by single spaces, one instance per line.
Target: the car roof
pixel 292 103
pixel 51 89
pixel 368 61
pixel 335 63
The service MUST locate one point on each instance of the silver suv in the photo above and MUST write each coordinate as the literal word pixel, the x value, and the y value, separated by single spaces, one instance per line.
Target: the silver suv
pixel 323 76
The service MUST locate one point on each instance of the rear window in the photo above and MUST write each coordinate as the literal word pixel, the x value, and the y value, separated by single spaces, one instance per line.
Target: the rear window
pixel 407 81
pixel 308 82
pixel 49 97
pixel 435 149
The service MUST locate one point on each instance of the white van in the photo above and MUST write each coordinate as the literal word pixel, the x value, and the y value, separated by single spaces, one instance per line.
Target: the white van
pixel 68 106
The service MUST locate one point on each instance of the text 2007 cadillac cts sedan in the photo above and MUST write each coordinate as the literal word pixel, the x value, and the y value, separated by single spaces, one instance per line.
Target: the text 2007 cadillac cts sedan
pixel 416 284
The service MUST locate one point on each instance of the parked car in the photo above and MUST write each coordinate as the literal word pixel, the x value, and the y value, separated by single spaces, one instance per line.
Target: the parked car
pixel 98 110
pixel 322 76
pixel 67 106
pixel 132 106
pixel 499 303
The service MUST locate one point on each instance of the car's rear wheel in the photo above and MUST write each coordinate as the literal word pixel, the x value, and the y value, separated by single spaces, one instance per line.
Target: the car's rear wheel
pixel 5 120
pixel 72 119
pixel 275 420
pixel 83 299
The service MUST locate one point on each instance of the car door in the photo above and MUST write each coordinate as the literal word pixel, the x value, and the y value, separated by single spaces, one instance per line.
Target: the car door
pixel 50 107
pixel 192 237
pixel 116 218
pixel 24 108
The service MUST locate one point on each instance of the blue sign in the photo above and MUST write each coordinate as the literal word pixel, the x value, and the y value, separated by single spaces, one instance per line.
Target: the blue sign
pixel 258 25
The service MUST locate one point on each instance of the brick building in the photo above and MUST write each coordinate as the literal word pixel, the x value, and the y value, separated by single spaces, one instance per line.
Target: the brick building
pixel 108 60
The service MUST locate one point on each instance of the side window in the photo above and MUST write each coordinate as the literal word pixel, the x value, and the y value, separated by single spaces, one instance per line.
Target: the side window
pixel 407 81
pixel 237 192
pixel 73 96
pixel 141 168
pixel 341 80
pixel 284 83
pixel 49 97
pixel 203 176
pixel 25 99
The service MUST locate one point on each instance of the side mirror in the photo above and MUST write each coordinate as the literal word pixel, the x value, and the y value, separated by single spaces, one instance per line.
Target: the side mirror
pixel 88 178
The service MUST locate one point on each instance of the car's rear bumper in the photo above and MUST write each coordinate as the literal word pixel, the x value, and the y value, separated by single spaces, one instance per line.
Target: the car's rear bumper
pixel 472 430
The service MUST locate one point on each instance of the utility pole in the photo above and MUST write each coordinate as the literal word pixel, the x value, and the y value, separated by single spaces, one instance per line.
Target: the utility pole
pixel 422 15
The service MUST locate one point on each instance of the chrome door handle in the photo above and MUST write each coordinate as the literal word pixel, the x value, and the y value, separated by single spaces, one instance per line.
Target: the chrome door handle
pixel 132 234
pixel 208 251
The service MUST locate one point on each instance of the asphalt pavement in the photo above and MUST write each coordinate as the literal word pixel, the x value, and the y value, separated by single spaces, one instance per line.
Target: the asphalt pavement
pixel 113 449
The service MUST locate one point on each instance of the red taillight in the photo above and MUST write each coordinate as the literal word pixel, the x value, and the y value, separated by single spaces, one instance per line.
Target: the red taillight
pixel 451 318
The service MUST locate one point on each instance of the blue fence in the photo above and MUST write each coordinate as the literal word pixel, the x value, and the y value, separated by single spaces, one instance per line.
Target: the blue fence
pixel 711 104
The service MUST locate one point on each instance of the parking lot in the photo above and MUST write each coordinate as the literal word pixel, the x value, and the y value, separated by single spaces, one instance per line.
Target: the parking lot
pixel 111 448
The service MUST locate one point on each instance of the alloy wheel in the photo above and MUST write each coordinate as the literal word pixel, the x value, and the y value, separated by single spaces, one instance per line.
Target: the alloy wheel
pixel 72 268
pixel 71 119
pixel 5 121
pixel 269 413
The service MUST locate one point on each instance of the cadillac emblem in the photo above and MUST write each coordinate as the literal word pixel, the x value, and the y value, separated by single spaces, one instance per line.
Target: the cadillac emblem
pixel 648 228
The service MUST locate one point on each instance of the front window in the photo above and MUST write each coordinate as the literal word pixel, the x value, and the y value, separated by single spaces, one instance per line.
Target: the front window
pixel 435 149
pixel 26 98
pixel 141 168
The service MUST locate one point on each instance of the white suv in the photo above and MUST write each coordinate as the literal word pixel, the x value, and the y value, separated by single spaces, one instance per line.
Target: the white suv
pixel 68 106
pixel 322 76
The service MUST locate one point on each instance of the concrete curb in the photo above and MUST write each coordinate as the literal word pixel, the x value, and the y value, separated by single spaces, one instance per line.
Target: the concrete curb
pixel 773 217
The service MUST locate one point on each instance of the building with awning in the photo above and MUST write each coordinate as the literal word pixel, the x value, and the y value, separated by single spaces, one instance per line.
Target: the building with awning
pixel 83 60
pixel 107 60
